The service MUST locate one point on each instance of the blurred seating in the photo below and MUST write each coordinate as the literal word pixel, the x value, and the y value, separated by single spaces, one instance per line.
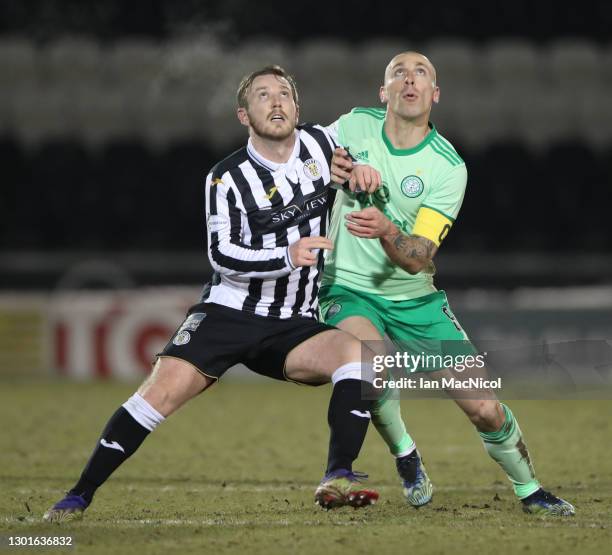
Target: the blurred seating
pixel 513 64
pixel 373 56
pixel 135 63
pixel 176 115
pixel 460 73
pixel 105 114
pixel 515 79
pixel 114 140
pixel 593 116
pixel 606 66
pixel 74 60
pixel 258 52
pixel 509 88
pixel 36 116
pixel 459 64
pixel 18 62
pixel 328 75
pixel 192 65
pixel 18 76
pixel 572 62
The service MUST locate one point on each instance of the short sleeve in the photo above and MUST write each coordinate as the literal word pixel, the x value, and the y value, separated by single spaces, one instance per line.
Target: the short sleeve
pixel 441 206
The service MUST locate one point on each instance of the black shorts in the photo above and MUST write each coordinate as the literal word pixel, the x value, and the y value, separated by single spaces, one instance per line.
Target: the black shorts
pixel 214 337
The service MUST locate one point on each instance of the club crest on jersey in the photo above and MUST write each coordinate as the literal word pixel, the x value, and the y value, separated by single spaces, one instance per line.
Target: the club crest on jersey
pixel 182 338
pixel 312 169
pixel 412 186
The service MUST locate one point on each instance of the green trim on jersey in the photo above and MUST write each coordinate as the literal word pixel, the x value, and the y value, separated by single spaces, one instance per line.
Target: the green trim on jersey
pixel 450 148
pixel 378 113
pixel 439 147
pixel 431 136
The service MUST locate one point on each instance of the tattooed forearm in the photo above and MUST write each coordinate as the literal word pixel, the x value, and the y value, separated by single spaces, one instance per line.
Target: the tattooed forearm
pixel 413 246
pixel 411 252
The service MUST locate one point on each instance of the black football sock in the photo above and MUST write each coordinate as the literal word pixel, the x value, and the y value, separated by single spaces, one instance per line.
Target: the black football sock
pixel 348 418
pixel 123 434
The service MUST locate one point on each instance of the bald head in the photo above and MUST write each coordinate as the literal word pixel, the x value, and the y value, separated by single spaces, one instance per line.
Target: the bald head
pixel 410 87
pixel 409 58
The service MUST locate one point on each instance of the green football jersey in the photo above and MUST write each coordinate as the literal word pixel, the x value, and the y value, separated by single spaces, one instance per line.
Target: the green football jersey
pixel 428 180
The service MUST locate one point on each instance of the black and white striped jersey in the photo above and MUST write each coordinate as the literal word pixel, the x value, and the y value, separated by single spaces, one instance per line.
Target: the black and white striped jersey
pixel 255 210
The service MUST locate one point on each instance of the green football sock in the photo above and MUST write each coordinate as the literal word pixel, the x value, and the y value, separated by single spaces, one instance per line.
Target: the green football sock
pixel 387 419
pixel 506 448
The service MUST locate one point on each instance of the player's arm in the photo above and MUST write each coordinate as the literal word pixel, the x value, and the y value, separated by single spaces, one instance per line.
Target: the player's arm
pixel 227 252
pixel 434 220
pixel 356 176
pixel 229 255
pixel 346 171
pixel 412 253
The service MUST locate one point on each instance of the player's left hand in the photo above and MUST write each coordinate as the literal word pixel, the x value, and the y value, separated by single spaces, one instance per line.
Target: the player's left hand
pixel 341 166
pixel 360 177
pixel 364 178
pixel 369 223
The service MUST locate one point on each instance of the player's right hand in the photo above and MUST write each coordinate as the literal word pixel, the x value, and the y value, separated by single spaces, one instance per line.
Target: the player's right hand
pixel 306 251
pixel 341 166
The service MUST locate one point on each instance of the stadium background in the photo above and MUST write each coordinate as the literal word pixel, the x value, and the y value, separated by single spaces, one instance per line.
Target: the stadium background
pixel 112 112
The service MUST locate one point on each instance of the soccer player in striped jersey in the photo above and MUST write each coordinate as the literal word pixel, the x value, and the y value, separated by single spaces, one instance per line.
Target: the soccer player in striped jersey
pixel 267 210
pixel 379 278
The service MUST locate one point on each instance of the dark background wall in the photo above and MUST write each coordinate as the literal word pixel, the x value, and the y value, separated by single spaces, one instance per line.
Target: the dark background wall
pixel 236 19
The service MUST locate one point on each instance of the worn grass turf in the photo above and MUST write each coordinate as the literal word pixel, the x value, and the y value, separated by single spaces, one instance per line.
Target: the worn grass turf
pixel 235 471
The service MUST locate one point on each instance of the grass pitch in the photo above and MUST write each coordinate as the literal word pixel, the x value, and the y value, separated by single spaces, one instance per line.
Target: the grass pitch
pixel 235 471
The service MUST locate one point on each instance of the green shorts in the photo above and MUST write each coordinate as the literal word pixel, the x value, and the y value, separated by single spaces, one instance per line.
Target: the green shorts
pixel 422 325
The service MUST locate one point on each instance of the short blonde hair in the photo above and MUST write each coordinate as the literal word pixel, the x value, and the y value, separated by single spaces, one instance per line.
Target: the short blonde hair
pixel 247 81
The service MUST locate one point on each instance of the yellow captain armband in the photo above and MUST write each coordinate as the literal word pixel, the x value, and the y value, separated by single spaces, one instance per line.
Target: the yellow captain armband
pixel 432 224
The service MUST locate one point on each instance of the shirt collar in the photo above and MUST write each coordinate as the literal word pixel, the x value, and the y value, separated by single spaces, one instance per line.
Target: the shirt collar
pixel 268 164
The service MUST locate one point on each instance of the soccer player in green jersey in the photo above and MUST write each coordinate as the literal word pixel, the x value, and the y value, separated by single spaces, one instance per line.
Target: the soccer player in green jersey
pixel 379 278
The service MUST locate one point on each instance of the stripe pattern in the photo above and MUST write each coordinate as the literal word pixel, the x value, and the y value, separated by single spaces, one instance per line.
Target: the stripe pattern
pixel 442 147
pixel 255 210
pixel 377 113
pixel 438 143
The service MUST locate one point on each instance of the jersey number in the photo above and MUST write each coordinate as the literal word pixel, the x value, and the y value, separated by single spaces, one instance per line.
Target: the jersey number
pixel 444 233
